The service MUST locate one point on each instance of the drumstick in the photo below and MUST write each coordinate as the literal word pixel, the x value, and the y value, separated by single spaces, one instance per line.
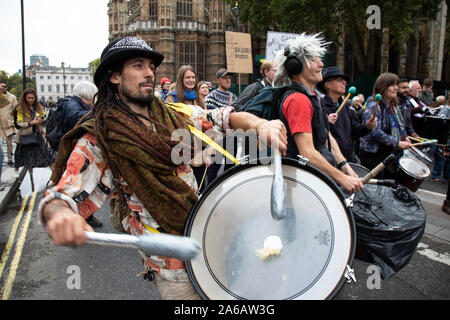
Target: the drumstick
pixel 378 99
pixel 437 108
pixel 390 159
pixel 203 179
pixel 433 141
pixel 159 244
pixel 420 139
pixel 351 91
pixel 278 192
pixel 385 182
pixel 415 139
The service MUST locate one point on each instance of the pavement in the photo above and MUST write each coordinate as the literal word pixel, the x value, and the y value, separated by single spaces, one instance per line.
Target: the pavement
pixel 431 194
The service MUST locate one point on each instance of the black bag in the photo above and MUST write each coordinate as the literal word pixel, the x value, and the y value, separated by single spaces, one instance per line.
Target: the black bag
pixel 30 139
pixel 266 103
pixel 389 224
pixel 54 133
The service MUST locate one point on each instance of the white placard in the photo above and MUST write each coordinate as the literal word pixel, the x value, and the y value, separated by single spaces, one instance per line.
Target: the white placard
pixel 277 41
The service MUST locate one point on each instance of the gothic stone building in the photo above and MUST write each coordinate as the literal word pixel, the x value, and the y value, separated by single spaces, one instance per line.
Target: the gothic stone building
pixel 184 31
pixel 193 32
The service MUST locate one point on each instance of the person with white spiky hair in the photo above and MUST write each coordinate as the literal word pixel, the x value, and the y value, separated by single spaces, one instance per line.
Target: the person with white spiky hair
pixel 300 67
pixel 305 48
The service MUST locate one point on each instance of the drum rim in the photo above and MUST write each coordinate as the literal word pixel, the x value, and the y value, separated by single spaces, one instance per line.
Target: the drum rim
pixel 411 174
pixel 263 161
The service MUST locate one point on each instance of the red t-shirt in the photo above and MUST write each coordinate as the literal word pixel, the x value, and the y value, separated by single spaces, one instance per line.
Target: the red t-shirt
pixel 299 112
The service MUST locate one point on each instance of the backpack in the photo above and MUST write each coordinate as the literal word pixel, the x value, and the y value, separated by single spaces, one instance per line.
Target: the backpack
pixel 266 103
pixel 54 133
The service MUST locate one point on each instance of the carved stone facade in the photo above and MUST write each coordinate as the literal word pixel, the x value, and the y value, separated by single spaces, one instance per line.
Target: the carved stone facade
pixel 184 31
pixel 193 32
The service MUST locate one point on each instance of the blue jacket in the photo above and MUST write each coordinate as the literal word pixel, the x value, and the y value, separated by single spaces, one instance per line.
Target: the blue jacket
pixel 72 110
pixel 381 134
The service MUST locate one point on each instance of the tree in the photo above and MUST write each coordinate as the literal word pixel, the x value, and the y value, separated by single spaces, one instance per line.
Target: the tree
pixel 14 83
pixel 93 65
pixel 338 18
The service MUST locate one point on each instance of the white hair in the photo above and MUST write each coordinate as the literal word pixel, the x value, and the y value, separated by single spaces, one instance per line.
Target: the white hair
pixel 305 47
pixel 85 89
pixel 410 84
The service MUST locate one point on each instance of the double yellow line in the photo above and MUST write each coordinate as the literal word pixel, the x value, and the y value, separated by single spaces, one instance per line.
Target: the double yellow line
pixel 6 290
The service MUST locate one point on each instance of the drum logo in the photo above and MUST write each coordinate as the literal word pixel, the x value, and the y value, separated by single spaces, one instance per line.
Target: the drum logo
pixel 323 237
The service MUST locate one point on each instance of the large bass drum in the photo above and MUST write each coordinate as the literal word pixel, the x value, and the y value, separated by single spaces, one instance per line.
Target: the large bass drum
pixel 232 220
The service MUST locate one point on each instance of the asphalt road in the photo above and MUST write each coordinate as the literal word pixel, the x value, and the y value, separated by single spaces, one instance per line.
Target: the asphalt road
pixel 45 270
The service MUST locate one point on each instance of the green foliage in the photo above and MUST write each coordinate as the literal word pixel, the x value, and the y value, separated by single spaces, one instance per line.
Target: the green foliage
pixel 15 85
pixel 296 16
pixel 93 65
pixel 337 18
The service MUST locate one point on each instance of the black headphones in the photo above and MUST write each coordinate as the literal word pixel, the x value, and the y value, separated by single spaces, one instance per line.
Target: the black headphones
pixel 293 65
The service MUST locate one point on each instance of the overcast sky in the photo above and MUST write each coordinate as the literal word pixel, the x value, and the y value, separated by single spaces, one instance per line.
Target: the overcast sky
pixel 70 31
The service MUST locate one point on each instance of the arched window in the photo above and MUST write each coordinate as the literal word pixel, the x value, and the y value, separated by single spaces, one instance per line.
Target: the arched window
pixel 153 9
pixel 184 10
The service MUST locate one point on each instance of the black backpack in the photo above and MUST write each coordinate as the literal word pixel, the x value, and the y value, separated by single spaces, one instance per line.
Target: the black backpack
pixel 266 103
pixel 54 132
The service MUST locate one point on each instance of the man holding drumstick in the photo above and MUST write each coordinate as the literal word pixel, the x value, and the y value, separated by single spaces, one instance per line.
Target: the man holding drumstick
pixel 124 150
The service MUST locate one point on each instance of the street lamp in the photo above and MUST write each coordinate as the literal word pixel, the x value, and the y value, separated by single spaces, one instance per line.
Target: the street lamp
pixel 64 78
pixel 24 70
pixel 236 15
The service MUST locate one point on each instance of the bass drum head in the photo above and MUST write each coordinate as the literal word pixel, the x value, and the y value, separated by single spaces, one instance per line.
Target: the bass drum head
pixel 232 219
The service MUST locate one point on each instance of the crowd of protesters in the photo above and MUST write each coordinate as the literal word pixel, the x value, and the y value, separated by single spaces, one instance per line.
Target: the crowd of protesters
pixel 360 138
pixel 117 122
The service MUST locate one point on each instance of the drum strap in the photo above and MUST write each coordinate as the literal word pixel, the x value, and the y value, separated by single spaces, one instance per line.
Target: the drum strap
pixel 152 230
pixel 182 108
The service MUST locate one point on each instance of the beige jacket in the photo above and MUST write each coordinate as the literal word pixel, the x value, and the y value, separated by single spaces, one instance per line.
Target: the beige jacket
pixel 6 116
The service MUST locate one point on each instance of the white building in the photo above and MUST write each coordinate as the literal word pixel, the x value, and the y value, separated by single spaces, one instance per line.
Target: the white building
pixel 57 82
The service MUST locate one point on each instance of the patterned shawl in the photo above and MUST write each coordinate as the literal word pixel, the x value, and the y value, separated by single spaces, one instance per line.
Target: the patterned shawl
pixel 143 159
pixel 396 121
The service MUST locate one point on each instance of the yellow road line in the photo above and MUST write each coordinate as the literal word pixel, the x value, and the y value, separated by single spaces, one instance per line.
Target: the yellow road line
pixel 12 236
pixel 18 252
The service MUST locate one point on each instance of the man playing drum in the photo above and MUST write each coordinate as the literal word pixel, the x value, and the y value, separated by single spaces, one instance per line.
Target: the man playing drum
pixel 123 150
pixel 300 65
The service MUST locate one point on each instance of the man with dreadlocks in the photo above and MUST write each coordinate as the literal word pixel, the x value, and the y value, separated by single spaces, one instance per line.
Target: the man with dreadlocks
pixel 300 66
pixel 123 150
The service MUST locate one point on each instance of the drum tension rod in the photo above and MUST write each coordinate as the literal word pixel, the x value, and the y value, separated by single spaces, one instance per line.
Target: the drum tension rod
pixel 350 274
pixel 302 160
pixel 244 159
pixel 349 201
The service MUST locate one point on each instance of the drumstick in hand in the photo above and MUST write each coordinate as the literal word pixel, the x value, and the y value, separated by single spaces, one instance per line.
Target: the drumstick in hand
pixel 432 141
pixel 351 91
pixel 378 99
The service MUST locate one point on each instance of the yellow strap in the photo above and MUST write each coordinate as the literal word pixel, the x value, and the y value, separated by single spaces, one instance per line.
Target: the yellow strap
pixel 152 230
pixel 181 108
pixel 184 109
pixel 211 142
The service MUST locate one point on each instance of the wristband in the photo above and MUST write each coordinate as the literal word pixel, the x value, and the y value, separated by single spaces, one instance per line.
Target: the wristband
pixel 341 164
pixel 50 197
